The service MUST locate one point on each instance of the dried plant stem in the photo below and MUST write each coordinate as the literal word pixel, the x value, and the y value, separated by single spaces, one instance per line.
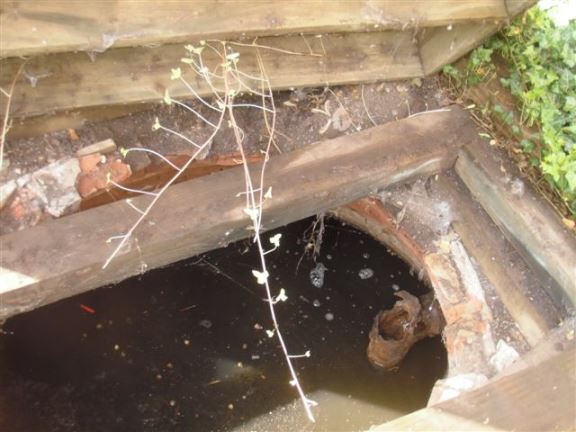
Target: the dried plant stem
pixel 6 121
pixel 232 81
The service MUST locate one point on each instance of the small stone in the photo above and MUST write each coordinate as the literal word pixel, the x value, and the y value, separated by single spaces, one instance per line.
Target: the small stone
pixel 137 160
pixel 54 185
pixel 417 82
pixel 73 135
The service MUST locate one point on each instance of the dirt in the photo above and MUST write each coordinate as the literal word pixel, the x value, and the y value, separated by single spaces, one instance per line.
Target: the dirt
pixel 298 123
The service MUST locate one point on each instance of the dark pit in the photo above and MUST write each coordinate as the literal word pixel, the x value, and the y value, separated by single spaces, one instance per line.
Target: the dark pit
pixel 184 348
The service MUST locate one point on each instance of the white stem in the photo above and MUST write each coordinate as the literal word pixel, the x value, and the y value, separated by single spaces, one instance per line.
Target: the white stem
pixel 127 189
pixel 155 153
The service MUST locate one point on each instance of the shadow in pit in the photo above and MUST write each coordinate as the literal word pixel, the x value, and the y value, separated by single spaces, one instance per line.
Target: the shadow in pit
pixel 185 347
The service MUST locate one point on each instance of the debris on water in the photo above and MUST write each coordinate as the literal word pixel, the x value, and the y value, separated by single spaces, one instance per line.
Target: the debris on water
pixel 365 255
pixel 316 303
pixel 304 299
pixel 395 287
pixel 317 275
pixel 206 324
pixel 366 273
pixel 329 316
pixel 395 330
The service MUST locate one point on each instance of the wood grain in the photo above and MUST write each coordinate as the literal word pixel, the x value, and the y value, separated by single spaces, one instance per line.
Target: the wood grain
pixel 40 27
pixel 541 398
pixel 129 75
pixel 64 257
pixel 524 216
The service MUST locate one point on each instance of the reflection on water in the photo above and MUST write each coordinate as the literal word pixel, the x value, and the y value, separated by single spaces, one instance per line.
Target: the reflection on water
pixel 184 348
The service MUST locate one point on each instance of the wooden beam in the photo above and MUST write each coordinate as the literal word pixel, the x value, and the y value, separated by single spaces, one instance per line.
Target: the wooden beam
pixel 441 45
pixel 127 75
pixel 64 257
pixel 524 216
pixel 512 279
pixel 446 44
pixel 516 7
pixel 32 27
pixel 540 398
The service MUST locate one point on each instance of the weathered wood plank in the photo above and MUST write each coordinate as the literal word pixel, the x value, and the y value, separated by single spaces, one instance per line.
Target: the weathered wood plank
pixel 126 75
pixel 511 278
pixel 536 399
pixel 64 257
pixel 74 119
pixel 443 45
pixel 516 7
pixel 32 27
pixel 524 216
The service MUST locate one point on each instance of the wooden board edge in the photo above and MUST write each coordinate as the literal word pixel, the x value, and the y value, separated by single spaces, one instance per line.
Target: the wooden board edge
pixel 64 257
pixel 524 216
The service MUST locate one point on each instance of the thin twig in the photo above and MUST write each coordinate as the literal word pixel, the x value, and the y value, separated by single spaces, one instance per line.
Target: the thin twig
pixel 6 123
pixel 366 107
pixel 280 50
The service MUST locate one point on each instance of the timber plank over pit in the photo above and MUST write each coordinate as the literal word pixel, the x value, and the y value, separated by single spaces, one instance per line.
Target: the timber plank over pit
pixel 64 257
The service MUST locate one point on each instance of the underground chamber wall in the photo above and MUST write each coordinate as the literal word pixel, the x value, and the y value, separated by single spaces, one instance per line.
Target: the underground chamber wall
pixel 185 347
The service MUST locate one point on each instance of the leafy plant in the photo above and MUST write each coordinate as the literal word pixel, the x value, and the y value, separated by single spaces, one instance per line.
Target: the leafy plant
pixel 541 62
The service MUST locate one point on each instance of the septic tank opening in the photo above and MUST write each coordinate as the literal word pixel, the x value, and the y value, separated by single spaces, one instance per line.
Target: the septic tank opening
pixel 185 347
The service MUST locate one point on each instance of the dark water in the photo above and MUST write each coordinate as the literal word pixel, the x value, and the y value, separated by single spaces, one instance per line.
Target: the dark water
pixel 184 348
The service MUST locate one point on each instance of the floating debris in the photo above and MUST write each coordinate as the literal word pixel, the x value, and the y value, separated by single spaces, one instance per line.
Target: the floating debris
pixel 317 275
pixel 206 324
pixel 366 273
